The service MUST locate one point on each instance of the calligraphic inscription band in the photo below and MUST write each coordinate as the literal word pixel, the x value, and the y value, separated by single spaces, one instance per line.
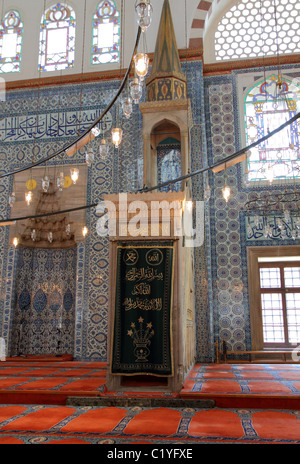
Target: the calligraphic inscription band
pixel 142 331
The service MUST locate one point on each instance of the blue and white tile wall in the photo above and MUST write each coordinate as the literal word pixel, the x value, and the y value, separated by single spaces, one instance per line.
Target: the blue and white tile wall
pixel 222 309
pixel 44 303
pixel 23 138
pixel 228 238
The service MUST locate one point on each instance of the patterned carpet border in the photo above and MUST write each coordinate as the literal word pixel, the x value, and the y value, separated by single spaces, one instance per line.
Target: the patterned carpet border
pixel 52 424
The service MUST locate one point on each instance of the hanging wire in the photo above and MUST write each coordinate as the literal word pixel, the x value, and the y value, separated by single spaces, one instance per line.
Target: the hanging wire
pixel 87 131
pixel 172 181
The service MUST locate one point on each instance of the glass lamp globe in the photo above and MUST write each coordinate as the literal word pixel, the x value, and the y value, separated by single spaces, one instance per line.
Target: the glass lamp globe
pixel 60 181
pixel 45 183
pixel 127 107
pixel 89 156
pixel 74 175
pixel 141 61
pixel 136 90
pixel 144 12
pixel 116 136
pixel 103 149
pixel 28 197
pixel 145 21
pixel 95 131
pixel 141 7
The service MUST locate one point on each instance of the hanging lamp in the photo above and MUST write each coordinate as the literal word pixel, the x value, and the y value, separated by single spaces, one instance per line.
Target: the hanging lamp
pixel 103 148
pixel 74 175
pixel 116 136
pixel 60 181
pixel 144 12
pixel 136 90
pixel 141 62
pixel 89 156
pixel 127 106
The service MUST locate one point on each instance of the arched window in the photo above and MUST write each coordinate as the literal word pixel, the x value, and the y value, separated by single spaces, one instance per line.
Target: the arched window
pixel 11 34
pixel 254 28
pixel 106 33
pixel 57 38
pixel 268 105
pixel 169 164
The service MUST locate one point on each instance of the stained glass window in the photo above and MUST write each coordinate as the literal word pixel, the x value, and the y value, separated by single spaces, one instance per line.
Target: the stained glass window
pixel 106 33
pixel 169 165
pixel 57 38
pixel 268 105
pixel 11 33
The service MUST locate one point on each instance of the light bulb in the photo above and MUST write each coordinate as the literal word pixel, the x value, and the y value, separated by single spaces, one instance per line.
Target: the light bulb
pixel 74 175
pixel 15 242
pixel 116 135
pixel 84 231
pixel 127 107
pixel 103 149
pixel 28 197
pixel 89 156
pixel 141 62
pixel 136 90
pixel 226 193
pixel 50 237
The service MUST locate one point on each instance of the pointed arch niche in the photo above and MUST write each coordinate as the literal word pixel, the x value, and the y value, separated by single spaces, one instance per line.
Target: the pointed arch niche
pixel 166 142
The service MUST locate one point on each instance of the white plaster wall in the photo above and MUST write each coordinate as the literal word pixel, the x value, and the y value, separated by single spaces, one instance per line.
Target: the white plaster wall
pixel 31 11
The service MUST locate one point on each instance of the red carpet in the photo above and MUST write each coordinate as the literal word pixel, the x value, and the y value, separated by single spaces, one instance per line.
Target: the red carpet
pixel 246 385
pixel 96 425
pixel 229 385
pixel 254 404
pixel 49 382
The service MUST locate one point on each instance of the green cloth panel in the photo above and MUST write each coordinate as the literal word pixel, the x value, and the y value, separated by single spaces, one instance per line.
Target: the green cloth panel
pixel 142 337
